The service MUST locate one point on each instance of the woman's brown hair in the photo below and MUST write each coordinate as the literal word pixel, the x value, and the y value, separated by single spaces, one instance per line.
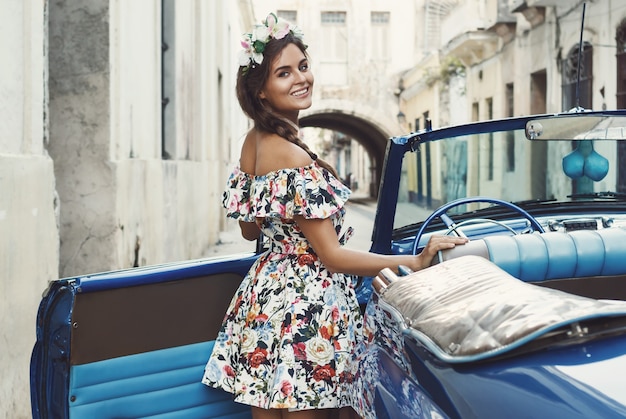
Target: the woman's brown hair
pixel 250 81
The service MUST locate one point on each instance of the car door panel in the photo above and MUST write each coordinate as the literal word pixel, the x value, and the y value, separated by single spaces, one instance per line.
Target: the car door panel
pixel 134 343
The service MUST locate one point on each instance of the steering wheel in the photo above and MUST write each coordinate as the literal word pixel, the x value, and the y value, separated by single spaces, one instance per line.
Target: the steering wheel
pixel 441 213
pixel 457 227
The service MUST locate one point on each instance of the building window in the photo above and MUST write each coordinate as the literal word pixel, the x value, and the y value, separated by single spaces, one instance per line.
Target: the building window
pixel 510 135
pixel 380 18
pixel 510 100
pixel 334 18
pixel 490 150
pixel 289 15
pixel 620 38
pixel 570 69
pixel 475 112
pixel 538 92
pixel 168 80
pixel 380 36
pixel 333 69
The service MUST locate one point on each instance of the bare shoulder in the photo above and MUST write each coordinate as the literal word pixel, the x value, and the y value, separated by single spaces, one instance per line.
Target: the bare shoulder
pixel 247 160
pixel 273 152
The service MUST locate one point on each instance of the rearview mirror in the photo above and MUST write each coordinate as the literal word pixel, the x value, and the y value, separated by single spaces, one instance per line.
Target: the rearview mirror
pixel 577 127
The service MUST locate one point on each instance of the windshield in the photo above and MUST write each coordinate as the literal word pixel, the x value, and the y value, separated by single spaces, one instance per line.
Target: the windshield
pixel 505 165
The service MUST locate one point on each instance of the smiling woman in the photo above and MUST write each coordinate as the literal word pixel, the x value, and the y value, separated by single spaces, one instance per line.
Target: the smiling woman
pixel 292 327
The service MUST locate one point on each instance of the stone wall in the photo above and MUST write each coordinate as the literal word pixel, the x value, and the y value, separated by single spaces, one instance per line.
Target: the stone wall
pixel 28 203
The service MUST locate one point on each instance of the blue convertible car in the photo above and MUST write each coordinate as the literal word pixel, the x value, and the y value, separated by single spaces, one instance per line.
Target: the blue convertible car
pixel 528 320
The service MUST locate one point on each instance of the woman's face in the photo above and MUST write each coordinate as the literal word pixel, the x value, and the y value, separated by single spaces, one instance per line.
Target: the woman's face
pixel 289 86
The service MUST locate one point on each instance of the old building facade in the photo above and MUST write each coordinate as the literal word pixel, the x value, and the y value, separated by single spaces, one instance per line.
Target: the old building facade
pixel 487 59
pixel 29 238
pixel 118 125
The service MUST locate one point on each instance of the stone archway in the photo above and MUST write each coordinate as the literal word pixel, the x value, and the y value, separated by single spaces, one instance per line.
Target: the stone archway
pixel 365 125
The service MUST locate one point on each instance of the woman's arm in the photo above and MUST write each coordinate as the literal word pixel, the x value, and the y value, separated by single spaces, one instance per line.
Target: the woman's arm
pixel 322 237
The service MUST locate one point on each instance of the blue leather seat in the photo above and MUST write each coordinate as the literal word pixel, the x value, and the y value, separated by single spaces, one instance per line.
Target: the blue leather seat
pixel 164 384
pixel 539 257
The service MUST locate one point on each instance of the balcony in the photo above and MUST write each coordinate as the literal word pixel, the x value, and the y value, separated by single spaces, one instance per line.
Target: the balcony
pixel 544 3
pixel 534 10
pixel 465 30
pixel 472 47
pixel 535 15
pixel 501 21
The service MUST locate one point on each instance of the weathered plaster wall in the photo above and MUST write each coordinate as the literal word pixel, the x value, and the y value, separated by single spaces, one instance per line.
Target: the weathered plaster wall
pixel 80 133
pixel 131 197
pixel 83 185
pixel 28 229
pixel 168 190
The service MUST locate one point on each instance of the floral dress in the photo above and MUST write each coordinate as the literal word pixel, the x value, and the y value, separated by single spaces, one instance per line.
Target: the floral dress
pixel 290 329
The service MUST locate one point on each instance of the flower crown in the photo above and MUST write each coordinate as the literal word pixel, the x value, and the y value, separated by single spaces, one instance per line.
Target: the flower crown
pixel 254 43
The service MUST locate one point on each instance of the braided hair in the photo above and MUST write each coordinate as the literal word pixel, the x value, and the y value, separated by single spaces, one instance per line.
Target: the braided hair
pixel 251 80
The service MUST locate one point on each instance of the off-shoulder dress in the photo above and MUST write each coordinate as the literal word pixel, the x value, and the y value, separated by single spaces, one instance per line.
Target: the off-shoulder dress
pixel 291 327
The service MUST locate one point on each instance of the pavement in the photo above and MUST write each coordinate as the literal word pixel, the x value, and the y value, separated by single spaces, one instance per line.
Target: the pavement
pixel 360 212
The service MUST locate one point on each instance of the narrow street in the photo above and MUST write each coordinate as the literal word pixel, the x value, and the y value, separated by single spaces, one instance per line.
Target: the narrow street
pixel 360 214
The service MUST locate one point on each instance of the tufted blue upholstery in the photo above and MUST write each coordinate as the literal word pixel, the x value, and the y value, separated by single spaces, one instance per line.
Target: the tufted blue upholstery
pixel 538 257
pixel 159 384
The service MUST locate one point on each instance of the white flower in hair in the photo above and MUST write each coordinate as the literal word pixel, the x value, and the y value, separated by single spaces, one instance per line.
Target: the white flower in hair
pixel 254 43
pixel 248 54
pixel 278 27
pixel 261 33
pixel 297 32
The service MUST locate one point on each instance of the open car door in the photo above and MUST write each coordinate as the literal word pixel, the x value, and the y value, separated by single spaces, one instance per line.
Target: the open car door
pixel 134 343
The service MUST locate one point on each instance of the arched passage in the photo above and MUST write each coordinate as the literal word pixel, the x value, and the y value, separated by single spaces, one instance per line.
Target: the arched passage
pixel 372 135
